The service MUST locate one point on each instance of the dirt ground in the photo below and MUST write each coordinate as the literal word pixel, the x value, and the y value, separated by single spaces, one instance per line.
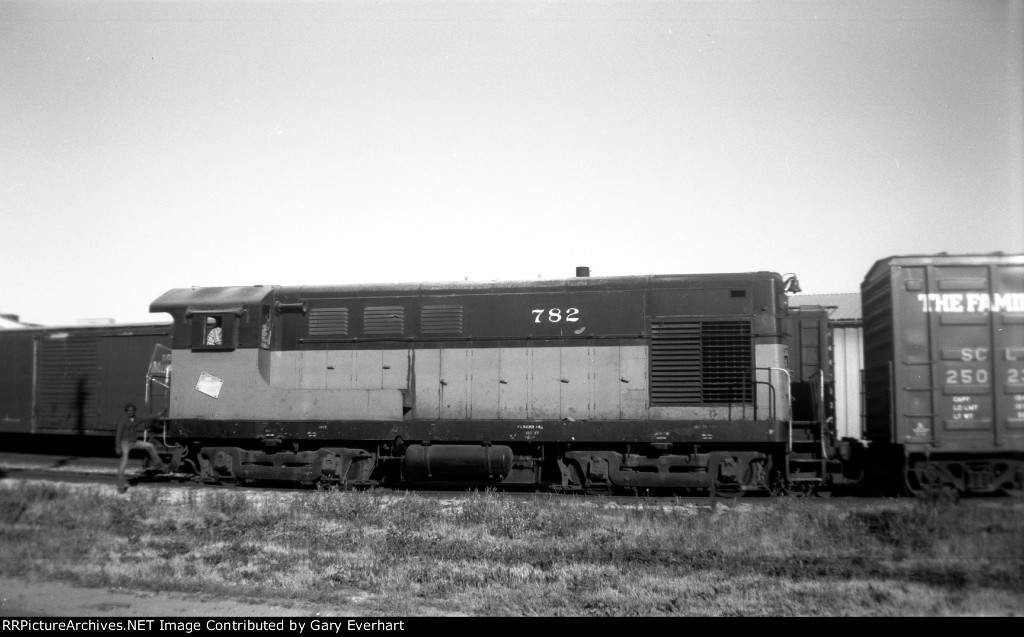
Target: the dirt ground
pixel 26 598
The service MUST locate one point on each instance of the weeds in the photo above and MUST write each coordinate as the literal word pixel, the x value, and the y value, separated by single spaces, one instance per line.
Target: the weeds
pixel 486 553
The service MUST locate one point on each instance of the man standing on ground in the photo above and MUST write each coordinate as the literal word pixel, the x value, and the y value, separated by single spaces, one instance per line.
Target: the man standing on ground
pixel 132 434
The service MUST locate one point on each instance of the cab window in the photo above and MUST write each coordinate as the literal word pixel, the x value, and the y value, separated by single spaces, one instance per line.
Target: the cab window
pixel 213 331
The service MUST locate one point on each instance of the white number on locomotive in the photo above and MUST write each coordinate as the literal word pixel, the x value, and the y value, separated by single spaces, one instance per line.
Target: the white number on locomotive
pixel 555 315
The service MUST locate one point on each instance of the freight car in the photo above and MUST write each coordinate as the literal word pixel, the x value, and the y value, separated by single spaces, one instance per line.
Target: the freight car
pixel 944 371
pixel 64 388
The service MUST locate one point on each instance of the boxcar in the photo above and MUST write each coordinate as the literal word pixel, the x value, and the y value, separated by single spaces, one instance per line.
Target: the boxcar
pixel 70 384
pixel 944 369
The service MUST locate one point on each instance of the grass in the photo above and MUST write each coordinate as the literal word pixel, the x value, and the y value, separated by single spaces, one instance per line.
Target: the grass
pixel 491 554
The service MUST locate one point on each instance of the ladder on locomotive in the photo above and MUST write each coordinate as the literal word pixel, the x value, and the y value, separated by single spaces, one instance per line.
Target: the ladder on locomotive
pixel 811 432
pixel 810 461
pixel 807 457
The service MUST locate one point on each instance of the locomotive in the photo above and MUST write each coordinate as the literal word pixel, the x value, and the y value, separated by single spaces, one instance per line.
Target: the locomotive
pixel 666 382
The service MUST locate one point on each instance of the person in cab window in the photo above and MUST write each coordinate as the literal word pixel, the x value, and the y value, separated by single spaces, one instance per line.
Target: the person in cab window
pixel 214 334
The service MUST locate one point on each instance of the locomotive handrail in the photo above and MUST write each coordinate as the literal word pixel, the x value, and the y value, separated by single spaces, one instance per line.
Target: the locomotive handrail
pixel 822 408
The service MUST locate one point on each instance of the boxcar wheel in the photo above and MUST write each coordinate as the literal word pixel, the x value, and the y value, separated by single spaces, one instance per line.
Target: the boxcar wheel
pixel 925 481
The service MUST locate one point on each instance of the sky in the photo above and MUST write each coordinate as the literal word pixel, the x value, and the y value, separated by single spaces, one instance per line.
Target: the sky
pixel 146 146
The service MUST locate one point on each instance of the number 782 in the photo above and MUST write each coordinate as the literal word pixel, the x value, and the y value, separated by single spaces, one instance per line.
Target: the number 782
pixel 556 315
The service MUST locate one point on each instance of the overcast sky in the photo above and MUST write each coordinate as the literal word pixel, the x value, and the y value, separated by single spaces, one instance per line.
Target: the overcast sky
pixel 146 146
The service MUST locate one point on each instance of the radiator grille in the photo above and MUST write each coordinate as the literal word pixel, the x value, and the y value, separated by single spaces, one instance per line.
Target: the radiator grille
pixel 441 319
pixel 381 321
pixel 700 362
pixel 328 321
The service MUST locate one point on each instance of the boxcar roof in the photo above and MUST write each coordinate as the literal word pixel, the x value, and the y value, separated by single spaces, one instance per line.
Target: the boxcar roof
pixel 942 258
pixel 118 329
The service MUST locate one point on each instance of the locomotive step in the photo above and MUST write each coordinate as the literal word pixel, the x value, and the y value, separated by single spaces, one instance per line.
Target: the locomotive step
pixel 804 458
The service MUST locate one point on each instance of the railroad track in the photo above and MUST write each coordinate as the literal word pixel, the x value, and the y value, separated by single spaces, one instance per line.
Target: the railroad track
pixel 103 471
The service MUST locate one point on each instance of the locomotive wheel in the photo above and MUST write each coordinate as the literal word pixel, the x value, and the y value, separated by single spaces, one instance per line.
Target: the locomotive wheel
pixel 206 472
pixel 753 478
pixel 572 478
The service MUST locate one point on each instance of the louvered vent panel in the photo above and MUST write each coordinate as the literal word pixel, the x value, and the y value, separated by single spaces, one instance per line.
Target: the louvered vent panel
pixel 441 319
pixel 696 363
pixel 328 321
pixel 675 363
pixel 726 361
pixel 66 383
pixel 382 321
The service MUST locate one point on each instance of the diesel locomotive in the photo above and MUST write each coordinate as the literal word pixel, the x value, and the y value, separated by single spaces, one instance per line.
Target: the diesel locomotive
pixel 668 382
